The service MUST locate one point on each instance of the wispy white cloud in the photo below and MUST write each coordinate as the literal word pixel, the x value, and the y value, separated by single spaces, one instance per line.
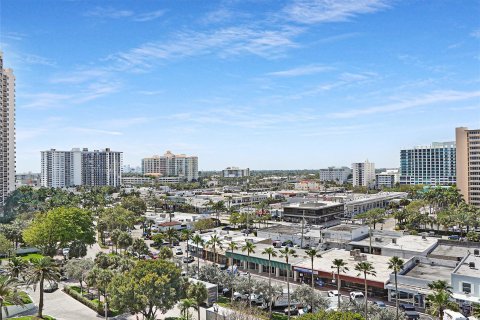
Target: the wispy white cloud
pixel 80 76
pixel 217 16
pixel 150 92
pixel 475 33
pixel 224 42
pixel 148 16
pixel 301 71
pixel 13 35
pixel 113 13
pixel 319 11
pixel 436 97
pixel 94 131
pixel 45 100
pixel 109 12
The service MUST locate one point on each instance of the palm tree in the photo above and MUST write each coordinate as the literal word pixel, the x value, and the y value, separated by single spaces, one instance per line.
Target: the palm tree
pixel 42 269
pixel 232 246
pixel 287 253
pixel 439 301
pixel 313 253
pixel 271 253
pixel 198 293
pixel 171 234
pixel 184 305
pixel 198 241
pixel 341 266
pixel 250 248
pixel 396 264
pixel 187 235
pixel 16 266
pixel 9 293
pixel 440 285
pixel 215 242
pixel 366 268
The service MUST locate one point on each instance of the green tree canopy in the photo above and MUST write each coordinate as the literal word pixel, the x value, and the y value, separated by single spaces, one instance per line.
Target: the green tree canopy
pixel 59 227
pixel 134 204
pixel 151 286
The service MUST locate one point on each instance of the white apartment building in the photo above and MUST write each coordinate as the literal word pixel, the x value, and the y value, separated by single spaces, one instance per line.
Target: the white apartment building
pixel 235 172
pixel 363 174
pixel 387 179
pixel 61 169
pixel 171 165
pixel 339 175
pixel 7 131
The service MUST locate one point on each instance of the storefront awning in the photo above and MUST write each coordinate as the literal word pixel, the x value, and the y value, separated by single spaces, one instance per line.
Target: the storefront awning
pixel 263 262
pixel 308 271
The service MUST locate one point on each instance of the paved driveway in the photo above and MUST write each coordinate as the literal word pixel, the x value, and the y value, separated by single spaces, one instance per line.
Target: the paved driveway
pixel 60 305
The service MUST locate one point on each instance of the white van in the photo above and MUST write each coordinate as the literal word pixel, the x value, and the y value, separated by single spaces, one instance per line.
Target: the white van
pixel 453 315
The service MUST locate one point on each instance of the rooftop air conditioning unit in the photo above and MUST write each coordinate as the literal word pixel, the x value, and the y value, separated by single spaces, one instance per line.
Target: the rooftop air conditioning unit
pixel 472 265
pixel 476 252
pixel 394 241
pixel 378 239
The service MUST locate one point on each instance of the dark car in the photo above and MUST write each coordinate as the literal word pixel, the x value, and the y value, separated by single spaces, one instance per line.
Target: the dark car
pixel 226 292
pixel 380 304
pixel 406 307
pixel 412 315
pixel 454 237
pixel 227 228
pixel 190 259
pixel 222 266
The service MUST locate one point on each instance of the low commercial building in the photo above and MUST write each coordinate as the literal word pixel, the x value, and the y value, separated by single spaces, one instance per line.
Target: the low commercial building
pixel 357 204
pixel 466 279
pixel 323 271
pixel 339 175
pixel 340 236
pixel 387 179
pixel 313 212
pixel 292 232
pixel 391 244
pixel 131 181
pixel 414 278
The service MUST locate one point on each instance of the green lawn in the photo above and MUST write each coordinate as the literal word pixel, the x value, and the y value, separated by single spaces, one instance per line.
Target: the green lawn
pixel 31 255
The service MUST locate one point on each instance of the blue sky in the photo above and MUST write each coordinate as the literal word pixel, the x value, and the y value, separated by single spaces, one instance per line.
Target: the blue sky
pixel 259 84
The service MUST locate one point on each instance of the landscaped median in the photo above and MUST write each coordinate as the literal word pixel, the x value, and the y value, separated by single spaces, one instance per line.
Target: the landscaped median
pixel 12 310
pixel 94 304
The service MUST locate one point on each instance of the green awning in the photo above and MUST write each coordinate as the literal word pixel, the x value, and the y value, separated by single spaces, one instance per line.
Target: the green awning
pixel 263 262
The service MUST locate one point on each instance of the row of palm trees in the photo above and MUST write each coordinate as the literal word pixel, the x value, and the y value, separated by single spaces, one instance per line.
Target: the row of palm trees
pixel 34 272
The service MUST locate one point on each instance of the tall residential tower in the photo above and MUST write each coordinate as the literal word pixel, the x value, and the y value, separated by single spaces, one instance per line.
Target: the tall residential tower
pixel 363 174
pixel 468 164
pixel 428 165
pixel 7 131
pixel 61 169
pixel 172 165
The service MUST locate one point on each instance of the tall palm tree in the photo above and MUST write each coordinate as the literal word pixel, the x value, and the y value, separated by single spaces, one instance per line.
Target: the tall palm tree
pixel 187 235
pixel 16 266
pixel 42 269
pixel 232 246
pixel 396 264
pixel 198 241
pixel 287 253
pixel 171 235
pixel 271 253
pixel 9 293
pixel 313 253
pixel 215 242
pixel 250 248
pixel 439 285
pixel 439 301
pixel 184 305
pixel 341 266
pixel 366 268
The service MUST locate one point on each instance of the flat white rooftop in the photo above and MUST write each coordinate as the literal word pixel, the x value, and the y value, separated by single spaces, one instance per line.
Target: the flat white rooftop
pixel 407 243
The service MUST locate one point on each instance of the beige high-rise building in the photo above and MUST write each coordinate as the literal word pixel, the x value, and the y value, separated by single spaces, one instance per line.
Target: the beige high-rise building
pixel 363 174
pixel 7 131
pixel 468 164
pixel 171 165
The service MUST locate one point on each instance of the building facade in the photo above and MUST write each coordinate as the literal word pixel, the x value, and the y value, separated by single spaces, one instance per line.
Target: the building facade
pixel 429 165
pixel 61 169
pixel 235 172
pixel 7 131
pixel 387 179
pixel 172 165
pixel 313 212
pixel 339 175
pixel 363 174
pixel 468 164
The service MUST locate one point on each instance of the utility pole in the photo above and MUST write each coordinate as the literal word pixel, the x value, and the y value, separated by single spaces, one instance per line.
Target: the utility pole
pixel 303 223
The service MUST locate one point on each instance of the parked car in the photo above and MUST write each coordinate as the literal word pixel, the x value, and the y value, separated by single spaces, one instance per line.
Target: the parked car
pixel 256 299
pixel 244 274
pixel 454 237
pixel 333 293
pixel 189 259
pixel 222 266
pixel 227 228
pixel 406 307
pixel 380 304
pixel 178 251
pixel 50 286
pixel 226 292
pixel 357 296
pixel 293 310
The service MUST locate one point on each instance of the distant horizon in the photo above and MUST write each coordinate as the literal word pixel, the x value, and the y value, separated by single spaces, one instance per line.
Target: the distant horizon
pixel 270 84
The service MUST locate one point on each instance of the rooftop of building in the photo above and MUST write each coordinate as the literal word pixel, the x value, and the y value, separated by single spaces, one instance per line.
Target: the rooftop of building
pixel 408 242
pixel 469 267
pixel 345 227
pixel 313 205
pixel 453 250
pixel 324 264
pixel 430 272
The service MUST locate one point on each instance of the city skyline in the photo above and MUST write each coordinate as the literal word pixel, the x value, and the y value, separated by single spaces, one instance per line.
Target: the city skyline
pixel 250 84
